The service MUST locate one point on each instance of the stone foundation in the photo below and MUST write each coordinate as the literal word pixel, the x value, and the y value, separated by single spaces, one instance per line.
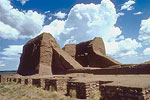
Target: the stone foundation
pixel 26 81
pixel 36 82
pixel 123 93
pixel 62 85
pixel 4 77
pixel 83 89
pixel 19 80
pixel 50 84
pixel 56 85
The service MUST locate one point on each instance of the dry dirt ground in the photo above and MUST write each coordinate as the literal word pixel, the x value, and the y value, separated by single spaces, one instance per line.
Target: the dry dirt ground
pixel 140 81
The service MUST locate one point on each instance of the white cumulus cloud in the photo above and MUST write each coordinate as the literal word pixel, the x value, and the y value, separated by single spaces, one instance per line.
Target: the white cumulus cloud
pixel 121 14
pixel 46 12
pixel 12 52
pixel 50 18
pixel 2 64
pixel 8 32
pixel 86 21
pixel 146 51
pixel 144 32
pixel 124 47
pixel 138 13
pixel 24 24
pixel 128 5
pixel 23 1
pixel 60 15
pixel 55 28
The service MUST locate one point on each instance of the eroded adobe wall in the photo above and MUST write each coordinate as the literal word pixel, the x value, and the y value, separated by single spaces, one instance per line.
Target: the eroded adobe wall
pixel 62 61
pixel 128 69
pixel 42 55
pixel 36 56
pixel 91 53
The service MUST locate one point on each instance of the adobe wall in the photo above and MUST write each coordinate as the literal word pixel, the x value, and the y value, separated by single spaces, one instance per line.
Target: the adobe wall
pixel 42 55
pixel 137 69
pixel 57 85
pixel 3 77
pixel 84 89
pixel 37 55
pixel 123 93
pixel 46 83
pixel 90 53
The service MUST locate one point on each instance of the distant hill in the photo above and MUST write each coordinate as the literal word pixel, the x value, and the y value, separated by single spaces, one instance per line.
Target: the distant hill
pixel 147 62
pixel 8 72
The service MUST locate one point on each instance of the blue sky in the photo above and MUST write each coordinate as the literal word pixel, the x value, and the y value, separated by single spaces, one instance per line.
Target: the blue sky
pixel 124 26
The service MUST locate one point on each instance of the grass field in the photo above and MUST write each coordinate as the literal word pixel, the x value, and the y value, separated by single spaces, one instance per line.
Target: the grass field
pixel 13 91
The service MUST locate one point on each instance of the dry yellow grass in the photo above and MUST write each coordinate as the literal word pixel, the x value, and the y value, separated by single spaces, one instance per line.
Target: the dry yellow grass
pixel 73 93
pixel 13 91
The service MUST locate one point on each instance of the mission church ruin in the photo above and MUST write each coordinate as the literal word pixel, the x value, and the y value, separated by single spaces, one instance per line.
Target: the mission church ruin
pixel 82 67
pixel 42 55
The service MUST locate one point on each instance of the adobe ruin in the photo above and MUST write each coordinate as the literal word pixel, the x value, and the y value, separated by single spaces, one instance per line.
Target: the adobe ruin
pixel 82 67
pixel 42 55
pixel 91 53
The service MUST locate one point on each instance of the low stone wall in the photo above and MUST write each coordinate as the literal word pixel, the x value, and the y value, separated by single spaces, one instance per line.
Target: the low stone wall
pixel 113 71
pixel 26 81
pixel 50 84
pixel 9 79
pixel 42 82
pixel 62 85
pixel 14 80
pixel 5 76
pixel 123 93
pixel 36 82
pixel 146 94
pixel 19 80
pixel 83 90
pixel 78 88
pixel 56 84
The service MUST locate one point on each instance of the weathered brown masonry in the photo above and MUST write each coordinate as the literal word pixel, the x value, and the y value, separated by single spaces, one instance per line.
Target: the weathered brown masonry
pixel 124 93
pixel 90 53
pixel 85 89
pixel 42 55
pixel 82 70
